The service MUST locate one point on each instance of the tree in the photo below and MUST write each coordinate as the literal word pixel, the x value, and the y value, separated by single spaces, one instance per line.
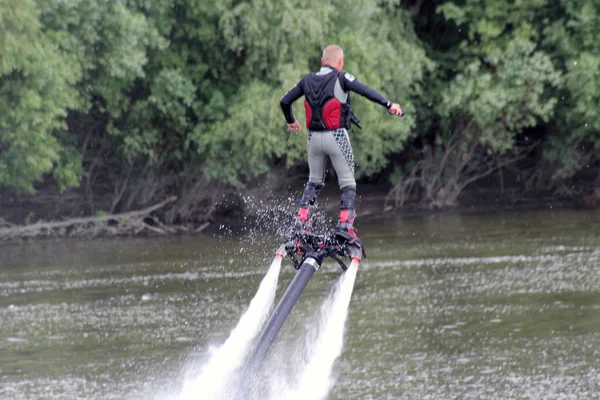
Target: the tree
pixel 572 36
pixel 222 79
pixel 502 70
pixel 36 91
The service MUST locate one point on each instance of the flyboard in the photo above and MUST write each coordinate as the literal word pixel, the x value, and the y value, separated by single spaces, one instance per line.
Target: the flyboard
pixel 307 252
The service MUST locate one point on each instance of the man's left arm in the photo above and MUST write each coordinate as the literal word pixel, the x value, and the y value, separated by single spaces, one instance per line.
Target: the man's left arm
pixel 353 84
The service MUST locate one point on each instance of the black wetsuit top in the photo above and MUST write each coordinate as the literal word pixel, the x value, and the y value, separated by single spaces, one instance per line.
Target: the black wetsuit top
pixel 311 82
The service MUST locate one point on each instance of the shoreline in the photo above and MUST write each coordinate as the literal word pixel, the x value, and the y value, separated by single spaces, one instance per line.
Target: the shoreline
pixel 371 205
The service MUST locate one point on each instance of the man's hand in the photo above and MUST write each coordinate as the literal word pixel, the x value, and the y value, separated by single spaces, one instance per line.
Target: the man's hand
pixel 295 126
pixel 395 109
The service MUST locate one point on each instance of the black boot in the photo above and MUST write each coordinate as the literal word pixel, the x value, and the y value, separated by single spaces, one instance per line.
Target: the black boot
pixel 345 225
pixel 303 221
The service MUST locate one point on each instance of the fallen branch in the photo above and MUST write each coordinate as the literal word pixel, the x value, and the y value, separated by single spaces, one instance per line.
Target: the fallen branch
pixel 202 227
pixel 110 225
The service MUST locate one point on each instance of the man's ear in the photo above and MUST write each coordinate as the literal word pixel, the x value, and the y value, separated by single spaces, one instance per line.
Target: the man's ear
pixel 322 62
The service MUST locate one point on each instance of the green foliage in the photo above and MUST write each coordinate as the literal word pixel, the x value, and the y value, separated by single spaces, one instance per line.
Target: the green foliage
pixel 193 86
pixel 238 131
pixel 58 57
pixel 238 147
pixel 504 95
pixel 36 91
pixel 560 70
pixel 381 51
pixel 573 38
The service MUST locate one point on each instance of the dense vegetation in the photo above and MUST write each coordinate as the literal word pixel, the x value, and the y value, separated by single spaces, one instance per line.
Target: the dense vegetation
pixel 124 102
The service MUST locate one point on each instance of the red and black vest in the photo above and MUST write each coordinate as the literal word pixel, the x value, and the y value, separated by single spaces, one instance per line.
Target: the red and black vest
pixel 324 111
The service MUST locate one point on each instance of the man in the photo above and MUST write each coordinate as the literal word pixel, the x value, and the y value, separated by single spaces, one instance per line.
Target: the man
pixel 328 118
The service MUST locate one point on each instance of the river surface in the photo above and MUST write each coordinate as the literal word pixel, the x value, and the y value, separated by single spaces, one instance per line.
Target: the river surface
pixel 498 306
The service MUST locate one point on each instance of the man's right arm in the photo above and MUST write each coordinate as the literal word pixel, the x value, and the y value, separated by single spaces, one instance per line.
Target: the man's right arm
pixel 349 82
pixel 286 101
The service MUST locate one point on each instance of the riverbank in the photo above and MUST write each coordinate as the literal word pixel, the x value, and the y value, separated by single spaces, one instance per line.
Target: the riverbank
pixel 373 203
pixel 266 210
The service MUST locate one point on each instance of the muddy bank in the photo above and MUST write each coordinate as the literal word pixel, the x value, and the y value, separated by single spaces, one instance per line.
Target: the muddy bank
pixel 26 218
pixel 373 202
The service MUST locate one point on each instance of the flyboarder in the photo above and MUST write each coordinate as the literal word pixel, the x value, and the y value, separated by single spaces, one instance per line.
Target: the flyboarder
pixel 328 118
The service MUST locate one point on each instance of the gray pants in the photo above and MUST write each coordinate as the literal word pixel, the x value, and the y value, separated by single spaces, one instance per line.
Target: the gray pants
pixel 335 145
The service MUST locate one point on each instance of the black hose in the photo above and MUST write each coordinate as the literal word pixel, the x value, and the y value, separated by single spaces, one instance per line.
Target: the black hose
pixel 283 309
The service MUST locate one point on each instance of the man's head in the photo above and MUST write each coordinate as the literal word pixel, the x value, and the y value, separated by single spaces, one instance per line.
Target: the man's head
pixel 333 56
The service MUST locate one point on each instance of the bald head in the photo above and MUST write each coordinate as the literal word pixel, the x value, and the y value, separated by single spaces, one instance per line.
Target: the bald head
pixel 333 56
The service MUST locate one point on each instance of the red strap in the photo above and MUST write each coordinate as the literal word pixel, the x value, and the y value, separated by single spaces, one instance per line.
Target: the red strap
pixel 298 249
pixel 344 214
pixel 303 214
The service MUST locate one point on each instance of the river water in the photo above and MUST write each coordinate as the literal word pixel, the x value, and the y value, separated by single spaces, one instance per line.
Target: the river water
pixel 498 306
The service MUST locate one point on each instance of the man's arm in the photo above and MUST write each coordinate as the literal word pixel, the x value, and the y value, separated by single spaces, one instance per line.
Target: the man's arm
pixel 286 102
pixel 349 82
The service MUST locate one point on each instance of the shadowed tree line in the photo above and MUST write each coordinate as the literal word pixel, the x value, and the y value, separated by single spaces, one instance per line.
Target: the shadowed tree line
pixel 113 106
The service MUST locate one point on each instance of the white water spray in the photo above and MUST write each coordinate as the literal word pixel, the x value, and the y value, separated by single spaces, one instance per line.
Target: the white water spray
pixel 314 380
pixel 215 377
